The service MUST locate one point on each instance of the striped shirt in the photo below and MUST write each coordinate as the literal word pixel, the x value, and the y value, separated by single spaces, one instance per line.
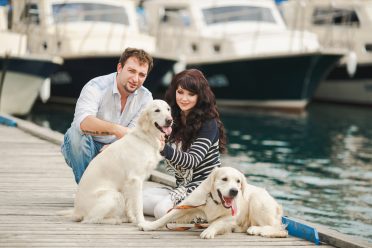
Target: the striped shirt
pixel 192 167
pixel 100 97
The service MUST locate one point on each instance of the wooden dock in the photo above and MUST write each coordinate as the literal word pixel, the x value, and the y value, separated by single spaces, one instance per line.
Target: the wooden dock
pixel 35 183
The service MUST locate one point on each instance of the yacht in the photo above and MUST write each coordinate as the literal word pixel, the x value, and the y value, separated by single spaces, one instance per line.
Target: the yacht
pixel 244 48
pixel 23 75
pixel 343 24
pixel 89 35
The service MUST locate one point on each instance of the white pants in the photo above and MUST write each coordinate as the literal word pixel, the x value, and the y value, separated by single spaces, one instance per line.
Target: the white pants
pixel 156 201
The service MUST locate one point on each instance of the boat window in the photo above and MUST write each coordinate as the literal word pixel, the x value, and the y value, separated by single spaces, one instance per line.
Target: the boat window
pixel 237 14
pixel 335 16
pixel 76 12
pixel 30 14
pixel 176 17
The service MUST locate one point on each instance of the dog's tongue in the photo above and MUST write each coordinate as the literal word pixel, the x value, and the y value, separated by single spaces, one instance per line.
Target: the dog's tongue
pixel 234 209
pixel 167 130
pixel 229 202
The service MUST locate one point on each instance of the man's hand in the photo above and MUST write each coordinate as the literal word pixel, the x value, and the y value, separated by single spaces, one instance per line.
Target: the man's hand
pixel 120 131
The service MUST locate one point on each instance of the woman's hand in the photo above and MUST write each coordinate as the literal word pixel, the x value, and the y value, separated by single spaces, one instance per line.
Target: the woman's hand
pixel 162 142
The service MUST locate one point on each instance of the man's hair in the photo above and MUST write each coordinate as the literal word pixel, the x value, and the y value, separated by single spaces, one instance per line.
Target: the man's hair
pixel 142 56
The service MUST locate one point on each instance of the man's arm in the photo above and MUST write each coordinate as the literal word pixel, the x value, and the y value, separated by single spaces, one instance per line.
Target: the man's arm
pixel 91 125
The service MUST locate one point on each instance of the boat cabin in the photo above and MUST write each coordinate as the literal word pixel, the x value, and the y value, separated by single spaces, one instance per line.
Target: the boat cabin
pixel 195 28
pixel 77 28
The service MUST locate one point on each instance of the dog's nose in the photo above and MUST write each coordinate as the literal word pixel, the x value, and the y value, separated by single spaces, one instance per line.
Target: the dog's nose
pixel 169 121
pixel 233 192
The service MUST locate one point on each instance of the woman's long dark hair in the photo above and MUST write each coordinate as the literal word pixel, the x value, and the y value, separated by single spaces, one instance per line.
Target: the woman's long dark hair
pixel 194 81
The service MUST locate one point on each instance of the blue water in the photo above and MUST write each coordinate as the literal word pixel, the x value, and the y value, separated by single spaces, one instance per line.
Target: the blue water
pixel 318 165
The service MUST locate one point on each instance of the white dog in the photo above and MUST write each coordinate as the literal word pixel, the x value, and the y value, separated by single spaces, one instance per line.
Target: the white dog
pixel 228 203
pixel 110 190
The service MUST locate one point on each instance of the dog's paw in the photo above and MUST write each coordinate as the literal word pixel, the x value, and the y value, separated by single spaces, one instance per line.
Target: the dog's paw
pixel 145 226
pixel 132 219
pixel 207 234
pixel 139 221
pixel 253 230
pixel 125 220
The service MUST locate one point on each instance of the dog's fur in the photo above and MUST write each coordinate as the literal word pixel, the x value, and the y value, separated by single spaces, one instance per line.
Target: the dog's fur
pixel 228 203
pixel 110 190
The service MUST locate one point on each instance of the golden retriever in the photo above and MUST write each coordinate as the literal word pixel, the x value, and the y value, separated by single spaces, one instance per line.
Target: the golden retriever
pixel 228 203
pixel 110 190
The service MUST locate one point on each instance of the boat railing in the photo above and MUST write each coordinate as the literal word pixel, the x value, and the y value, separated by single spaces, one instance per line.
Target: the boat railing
pixel 72 27
pixel 336 26
pixel 190 38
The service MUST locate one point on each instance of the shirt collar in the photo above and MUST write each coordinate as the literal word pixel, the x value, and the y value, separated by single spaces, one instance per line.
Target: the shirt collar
pixel 115 88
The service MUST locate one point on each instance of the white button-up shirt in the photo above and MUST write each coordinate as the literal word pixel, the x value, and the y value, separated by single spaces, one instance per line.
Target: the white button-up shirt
pixel 100 97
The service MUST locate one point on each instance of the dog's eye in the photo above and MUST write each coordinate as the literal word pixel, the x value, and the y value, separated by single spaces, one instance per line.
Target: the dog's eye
pixel 224 179
pixel 238 181
pixel 157 110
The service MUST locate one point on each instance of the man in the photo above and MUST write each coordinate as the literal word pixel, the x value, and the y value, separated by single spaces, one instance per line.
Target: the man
pixel 107 107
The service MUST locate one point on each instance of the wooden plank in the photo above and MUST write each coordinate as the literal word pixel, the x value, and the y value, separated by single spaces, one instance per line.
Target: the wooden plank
pixel 35 183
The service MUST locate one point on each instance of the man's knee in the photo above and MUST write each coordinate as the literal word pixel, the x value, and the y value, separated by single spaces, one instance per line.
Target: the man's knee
pixel 77 146
pixel 78 151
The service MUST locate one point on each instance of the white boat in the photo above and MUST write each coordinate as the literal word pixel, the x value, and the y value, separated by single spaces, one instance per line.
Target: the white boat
pixel 89 35
pixel 23 75
pixel 243 46
pixel 344 24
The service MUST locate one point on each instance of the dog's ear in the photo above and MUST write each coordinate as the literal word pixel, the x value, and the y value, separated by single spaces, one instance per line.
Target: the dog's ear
pixel 243 182
pixel 144 120
pixel 208 183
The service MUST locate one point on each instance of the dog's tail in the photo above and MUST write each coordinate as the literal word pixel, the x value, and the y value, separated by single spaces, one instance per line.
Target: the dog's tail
pixel 70 213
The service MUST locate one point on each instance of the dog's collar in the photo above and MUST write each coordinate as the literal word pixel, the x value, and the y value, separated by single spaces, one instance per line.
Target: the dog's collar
pixel 216 202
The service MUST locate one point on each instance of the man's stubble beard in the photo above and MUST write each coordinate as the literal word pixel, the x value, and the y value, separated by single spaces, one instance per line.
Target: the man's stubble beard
pixel 126 88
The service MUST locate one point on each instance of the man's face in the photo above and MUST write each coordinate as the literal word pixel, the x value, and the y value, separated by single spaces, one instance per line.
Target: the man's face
pixel 132 75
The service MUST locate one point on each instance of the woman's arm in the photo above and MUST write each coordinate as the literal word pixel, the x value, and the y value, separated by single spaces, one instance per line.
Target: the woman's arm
pixel 198 149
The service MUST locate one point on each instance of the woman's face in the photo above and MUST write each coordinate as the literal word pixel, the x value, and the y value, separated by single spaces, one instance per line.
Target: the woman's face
pixel 186 100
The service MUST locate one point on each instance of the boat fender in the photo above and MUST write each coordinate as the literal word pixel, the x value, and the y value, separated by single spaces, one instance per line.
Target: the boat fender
pixel 6 121
pixel 300 230
pixel 180 65
pixel 351 63
pixel 44 91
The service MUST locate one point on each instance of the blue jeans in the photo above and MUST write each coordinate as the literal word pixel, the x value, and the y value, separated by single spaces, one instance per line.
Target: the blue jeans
pixel 78 150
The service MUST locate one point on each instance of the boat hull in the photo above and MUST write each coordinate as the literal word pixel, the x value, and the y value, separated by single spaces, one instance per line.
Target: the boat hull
pixel 339 87
pixel 69 80
pixel 285 82
pixel 22 80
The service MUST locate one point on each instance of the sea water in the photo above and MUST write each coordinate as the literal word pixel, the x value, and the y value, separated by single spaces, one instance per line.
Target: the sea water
pixel 317 164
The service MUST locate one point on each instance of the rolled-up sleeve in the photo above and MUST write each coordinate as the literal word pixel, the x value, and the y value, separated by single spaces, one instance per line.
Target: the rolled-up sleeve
pixel 87 104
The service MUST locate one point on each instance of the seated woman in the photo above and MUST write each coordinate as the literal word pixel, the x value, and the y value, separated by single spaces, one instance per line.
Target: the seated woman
pixel 193 149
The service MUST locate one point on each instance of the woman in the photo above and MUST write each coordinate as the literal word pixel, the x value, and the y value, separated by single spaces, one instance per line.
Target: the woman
pixel 193 148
